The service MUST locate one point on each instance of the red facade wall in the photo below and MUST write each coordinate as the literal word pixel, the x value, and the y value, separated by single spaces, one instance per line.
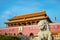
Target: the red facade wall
pixel 9 30
pixel 26 30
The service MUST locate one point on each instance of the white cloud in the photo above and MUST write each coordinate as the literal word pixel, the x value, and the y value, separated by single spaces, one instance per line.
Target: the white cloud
pixel 21 2
pixel 52 1
pixel 2 16
pixel 5 16
pixel 7 12
pixel 37 4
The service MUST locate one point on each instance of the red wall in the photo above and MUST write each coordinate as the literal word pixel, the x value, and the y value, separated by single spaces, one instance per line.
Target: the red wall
pixel 9 30
pixel 26 30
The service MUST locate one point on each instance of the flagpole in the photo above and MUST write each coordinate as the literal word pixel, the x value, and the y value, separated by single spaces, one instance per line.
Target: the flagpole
pixel 55 18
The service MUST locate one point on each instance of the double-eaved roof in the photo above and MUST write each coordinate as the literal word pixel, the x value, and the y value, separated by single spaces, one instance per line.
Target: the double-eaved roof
pixel 31 16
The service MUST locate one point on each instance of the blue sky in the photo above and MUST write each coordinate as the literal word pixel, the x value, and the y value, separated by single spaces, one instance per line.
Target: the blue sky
pixel 11 8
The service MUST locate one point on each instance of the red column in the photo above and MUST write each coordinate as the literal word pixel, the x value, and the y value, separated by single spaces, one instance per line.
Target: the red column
pixel 13 24
pixel 31 22
pixel 26 23
pixel 16 24
pixel 35 22
pixel 21 24
pixel 9 25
